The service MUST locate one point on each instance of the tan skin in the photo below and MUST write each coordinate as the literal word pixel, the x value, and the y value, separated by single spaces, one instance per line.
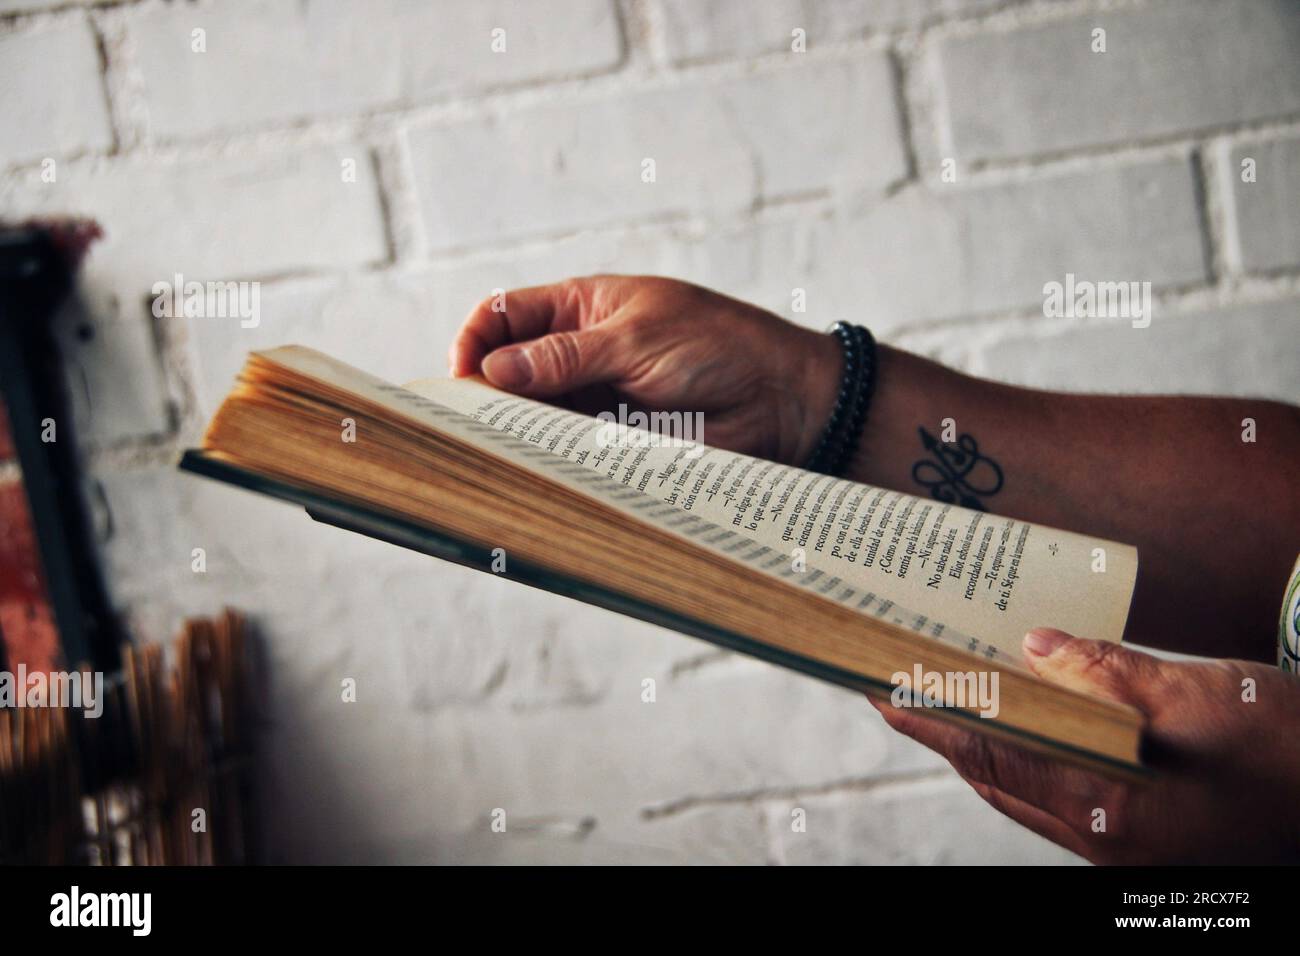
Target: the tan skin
pixel 1216 521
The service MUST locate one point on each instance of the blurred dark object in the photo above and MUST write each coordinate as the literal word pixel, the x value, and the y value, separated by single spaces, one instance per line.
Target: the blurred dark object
pixel 62 580
pixel 162 777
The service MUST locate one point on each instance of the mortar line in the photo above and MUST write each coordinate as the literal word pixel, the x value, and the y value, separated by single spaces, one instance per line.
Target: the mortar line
pixel 887 782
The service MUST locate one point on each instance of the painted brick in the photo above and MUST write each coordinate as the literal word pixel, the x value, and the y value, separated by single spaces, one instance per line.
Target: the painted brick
pixel 51 95
pixel 931 255
pixel 33 6
pixel 217 218
pixel 930 823
pixel 328 57
pixel 1239 350
pixel 115 383
pixel 731 834
pixel 698 31
pixel 718 148
pixel 1169 68
pixel 1264 218
pixel 723 730
pixel 928 254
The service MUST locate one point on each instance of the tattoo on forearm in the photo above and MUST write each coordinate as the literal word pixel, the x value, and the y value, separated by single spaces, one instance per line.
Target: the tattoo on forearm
pixel 956 472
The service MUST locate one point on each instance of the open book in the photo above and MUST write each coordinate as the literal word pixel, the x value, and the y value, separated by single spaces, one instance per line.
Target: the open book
pixel 869 588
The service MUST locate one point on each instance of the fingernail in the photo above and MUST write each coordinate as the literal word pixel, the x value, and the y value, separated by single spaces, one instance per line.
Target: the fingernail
pixel 509 368
pixel 1041 641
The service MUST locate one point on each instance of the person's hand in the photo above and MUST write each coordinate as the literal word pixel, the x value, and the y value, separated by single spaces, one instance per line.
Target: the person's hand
pixel 764 385
pixel 1222 739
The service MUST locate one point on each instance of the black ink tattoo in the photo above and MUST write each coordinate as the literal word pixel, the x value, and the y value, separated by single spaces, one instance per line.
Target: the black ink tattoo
pixel 956 473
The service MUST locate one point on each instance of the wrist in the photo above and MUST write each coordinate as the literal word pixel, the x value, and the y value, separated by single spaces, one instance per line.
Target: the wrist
pixel 818 375
pixel 840 437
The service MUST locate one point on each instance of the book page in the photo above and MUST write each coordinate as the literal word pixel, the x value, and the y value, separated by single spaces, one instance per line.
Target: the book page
pixel 967 571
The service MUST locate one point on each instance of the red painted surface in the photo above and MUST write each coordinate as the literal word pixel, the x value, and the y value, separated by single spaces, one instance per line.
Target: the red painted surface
pixel 6 437
pixel 27 627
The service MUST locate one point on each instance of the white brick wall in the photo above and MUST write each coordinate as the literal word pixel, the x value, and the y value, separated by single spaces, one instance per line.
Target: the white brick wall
pixel 1266 233
pixel 1169 68
pixel 693 31
pixel 51 97
pixel 774 170
pixel 718 148
pixel 273 62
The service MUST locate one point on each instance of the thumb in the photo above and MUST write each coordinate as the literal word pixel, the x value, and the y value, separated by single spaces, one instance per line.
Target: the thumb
pixel 1101 668
pixel 555 363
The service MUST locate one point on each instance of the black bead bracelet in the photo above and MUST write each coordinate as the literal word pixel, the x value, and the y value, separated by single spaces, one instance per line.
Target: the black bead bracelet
pixel 844 429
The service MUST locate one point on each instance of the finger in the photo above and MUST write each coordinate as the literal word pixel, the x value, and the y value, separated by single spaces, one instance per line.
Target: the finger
pixel 1059 789
pixel 515 316
pixel 1053 800
pixel 559 362
pixel 1101 668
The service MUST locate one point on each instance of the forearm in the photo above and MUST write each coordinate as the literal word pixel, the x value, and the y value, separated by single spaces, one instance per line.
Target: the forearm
pixel 1216 519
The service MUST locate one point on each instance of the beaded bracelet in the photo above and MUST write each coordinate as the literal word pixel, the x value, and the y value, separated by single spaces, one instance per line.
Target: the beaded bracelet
pixel 840 439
